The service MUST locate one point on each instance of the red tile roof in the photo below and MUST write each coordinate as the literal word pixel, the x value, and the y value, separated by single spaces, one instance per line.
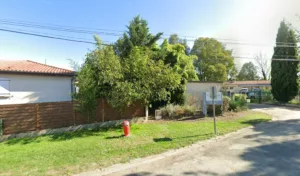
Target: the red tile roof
pixel 27 66
pixel 256 82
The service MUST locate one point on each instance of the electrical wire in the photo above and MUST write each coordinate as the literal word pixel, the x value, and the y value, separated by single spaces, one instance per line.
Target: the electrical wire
pixel 51 37
pixel 119 33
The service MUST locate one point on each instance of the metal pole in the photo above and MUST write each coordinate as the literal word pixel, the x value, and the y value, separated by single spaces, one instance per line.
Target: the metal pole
pixel 214 110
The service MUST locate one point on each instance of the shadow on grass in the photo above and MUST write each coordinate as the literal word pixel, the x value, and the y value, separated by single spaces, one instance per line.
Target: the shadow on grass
pixel 61 136
pixel 165 139
pixel 255 121
pixel 115 137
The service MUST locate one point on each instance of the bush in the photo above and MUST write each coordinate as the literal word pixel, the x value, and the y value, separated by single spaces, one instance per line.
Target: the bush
pixel 239 103
pixel 189 110
pixel 191 100
pixel 177 111
pixel 226 101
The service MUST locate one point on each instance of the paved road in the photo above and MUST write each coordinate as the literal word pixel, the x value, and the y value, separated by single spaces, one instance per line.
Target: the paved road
pixel 271 148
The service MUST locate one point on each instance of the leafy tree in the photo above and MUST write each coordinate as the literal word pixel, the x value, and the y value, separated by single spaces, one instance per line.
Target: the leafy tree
pixel 175 56
pixel 214 61
pixel 98 75
pixel 174 39
pixel 248 72
pixel 284 73
pixel 123 81
pixel 233 72
pixel 137 35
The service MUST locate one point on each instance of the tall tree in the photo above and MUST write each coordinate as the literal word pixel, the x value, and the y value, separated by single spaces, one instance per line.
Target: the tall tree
pixel 214 61
pixel 248 72
pixel 174 39
pixel 137 35
pixel 284 79
pixel 263 65
pixel 174 55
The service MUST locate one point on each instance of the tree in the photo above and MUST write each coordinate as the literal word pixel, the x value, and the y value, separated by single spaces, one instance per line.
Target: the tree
pixel 263 65
pixel 125 81
pixel 214 61
pixel 233 72
pixel 175 56
pixel 100 73
pixel 248 72
pixel 137 35
pixel 174 39
pixel 284 79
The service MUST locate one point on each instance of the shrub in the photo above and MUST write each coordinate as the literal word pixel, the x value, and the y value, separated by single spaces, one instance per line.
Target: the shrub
pixel 176 111
pixel 189 110
pixel 233 105
pixel 168 110
pixel 238 104
pixel 226 101
pixel 190 100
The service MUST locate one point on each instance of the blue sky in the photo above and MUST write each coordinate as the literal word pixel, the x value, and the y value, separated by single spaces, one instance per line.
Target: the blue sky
pixel 251 21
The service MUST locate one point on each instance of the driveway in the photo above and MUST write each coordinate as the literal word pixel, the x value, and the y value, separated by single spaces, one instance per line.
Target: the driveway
pixel 271 148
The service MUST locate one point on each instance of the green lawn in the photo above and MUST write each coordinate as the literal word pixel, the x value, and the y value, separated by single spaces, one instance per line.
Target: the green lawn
pixel 74 152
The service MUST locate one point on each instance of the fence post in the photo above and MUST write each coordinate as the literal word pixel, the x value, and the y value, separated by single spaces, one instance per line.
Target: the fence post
pixel 38 117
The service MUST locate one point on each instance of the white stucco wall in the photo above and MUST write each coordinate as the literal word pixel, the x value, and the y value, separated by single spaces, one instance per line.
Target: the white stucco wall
pixel 35 89
pixel 196 89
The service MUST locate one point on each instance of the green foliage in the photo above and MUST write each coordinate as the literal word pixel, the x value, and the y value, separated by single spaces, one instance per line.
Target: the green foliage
pixel 137 35
pixel 238 103
pixel 175 56
pixel 174 39
pixel 98 75
pixel 284 79
pixel 226 102
pixel 248 72
pixel 123 81
pixel 214 62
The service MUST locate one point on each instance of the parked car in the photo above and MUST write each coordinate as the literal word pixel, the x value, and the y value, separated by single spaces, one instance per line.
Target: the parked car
pixel 244 91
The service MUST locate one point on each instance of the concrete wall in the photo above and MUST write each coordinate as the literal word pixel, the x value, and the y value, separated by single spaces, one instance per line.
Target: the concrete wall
pixel 36 89
pixel 196 89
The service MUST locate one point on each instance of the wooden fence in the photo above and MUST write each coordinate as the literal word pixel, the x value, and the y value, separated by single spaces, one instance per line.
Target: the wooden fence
pixel 19 118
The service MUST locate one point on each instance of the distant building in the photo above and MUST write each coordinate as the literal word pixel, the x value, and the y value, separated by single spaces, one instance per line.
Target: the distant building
pixel 236 86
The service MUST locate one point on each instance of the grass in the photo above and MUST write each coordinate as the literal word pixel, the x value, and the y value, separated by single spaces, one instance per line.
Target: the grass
pixel 69 153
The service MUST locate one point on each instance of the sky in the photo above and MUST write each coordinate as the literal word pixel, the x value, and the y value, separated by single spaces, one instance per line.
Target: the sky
pixel 245 21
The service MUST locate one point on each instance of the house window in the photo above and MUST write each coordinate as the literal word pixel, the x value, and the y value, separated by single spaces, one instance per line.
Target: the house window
pixel 4 88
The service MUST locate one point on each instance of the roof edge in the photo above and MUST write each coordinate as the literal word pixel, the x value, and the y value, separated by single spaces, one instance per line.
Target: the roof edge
pixel 38 73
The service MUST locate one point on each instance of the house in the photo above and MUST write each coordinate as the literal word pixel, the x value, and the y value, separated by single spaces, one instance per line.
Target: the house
pixel 236 86
pixel 24 81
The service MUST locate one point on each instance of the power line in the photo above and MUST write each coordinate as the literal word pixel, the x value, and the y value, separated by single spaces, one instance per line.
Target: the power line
pixel 119 33
pixel 51 37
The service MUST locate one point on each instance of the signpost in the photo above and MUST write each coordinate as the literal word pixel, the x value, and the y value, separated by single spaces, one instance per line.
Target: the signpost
pixel 214 107
pixel 212 98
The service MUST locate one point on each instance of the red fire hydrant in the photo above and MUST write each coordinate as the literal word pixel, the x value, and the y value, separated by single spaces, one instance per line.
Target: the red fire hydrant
pixel 126 128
